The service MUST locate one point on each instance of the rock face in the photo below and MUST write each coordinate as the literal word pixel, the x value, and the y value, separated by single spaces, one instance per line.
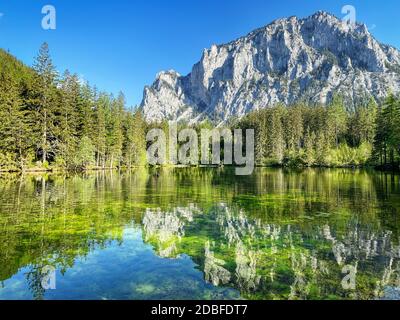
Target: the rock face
pixel 289 60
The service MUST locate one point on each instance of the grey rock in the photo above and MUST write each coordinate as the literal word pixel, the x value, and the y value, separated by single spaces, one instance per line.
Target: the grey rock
pixel 287 61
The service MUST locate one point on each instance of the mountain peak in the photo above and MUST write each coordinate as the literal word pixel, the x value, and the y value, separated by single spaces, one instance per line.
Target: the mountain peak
pixel 320 14
pixel 287 61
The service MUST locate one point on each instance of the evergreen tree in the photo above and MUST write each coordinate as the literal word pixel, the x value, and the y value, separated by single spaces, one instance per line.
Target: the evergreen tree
pixel 364 123
pixel 68 118
pixel 321 148
pixel 134 144
pixel 115 131
pixel 85 107
pixel 46 100
pixel 261 141
pixel 66 123
pixel 309 151
pixel 99 139
pixel 84 157
pixel 15 139
pixel 336 120
pixel 276 143
pixel 294 129
pixel 390 116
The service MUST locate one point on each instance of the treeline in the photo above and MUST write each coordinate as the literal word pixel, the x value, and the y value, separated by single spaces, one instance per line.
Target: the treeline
pixel 52 121
pixel 332 135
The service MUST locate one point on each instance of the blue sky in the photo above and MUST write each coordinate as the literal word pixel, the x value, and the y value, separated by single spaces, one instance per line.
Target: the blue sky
pixel 123 44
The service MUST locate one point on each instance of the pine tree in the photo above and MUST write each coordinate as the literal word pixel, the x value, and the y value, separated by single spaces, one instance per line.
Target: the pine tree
pixel 381 138
pixel 309 143
pixel 396 130
pixel 99 139
pixel 46 100
pixel 85 107
pixel 389 113
pixel 84 157
pixel 68 118
pixel 115 132
pixel 15 124
pixel 336 120
pixel 390 119
pixel 70 124
pixel 276 143
pixel 294 129
pixel 134 145
pixel 260 123
pixel 321 148
pixel 363 127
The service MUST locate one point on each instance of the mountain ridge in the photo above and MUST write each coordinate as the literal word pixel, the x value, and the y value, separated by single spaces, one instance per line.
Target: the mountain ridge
pixel 287 61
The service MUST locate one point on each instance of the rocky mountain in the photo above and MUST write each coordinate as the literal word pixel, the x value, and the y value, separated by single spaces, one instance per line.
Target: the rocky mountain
pixel 287 61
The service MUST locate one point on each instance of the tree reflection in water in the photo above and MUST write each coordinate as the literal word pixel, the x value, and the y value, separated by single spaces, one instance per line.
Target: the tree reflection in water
pixel 273 235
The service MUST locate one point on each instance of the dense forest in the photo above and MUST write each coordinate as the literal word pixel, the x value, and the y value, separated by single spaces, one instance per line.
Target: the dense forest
pixel 304 135
pixel 51 121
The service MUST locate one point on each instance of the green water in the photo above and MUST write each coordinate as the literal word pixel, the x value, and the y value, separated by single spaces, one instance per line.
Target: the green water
pixel 201 234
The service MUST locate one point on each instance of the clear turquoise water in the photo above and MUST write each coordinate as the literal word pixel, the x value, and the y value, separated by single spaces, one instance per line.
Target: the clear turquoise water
pixel 200 234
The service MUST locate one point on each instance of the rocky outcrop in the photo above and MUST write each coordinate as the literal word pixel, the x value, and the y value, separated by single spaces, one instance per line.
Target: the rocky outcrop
pixel 289 60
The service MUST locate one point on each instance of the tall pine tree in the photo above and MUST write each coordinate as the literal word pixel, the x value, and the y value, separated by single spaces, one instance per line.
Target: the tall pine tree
pixel 46 100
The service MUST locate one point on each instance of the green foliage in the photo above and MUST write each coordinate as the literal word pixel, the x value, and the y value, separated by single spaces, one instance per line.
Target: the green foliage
pixel 15 126
pixel 45 102
pixel 278 234
pixel 134 142
pixel 115 136
pixel 309 151
pixel 363 123
pixel 350 156
pixel 57 122
pixel 52 122
pixel 336 121
pixel 307 135
pixel 8 162
pixel 387 140
pixel 85 154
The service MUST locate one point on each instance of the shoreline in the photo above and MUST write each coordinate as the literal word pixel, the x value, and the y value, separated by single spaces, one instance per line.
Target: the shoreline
pixel 33 171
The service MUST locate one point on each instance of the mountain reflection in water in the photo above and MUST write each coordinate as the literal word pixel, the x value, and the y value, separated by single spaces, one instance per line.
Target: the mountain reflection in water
pixel 201 234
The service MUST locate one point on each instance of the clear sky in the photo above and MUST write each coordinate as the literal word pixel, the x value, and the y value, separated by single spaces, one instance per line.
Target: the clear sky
pixel 123 44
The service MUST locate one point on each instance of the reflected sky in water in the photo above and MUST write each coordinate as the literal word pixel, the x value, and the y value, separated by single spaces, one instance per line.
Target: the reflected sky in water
pixel 201 234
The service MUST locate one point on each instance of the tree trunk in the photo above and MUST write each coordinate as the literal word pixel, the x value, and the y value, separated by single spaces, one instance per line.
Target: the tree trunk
pixel 44 141
pixel 385 154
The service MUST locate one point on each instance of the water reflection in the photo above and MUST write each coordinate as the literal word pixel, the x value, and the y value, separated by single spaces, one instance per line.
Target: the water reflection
pixel 273 235
pixel 294 260
pixel 165 229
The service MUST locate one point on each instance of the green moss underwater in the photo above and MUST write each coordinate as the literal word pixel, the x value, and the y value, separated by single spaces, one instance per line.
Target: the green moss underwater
pixel 201 234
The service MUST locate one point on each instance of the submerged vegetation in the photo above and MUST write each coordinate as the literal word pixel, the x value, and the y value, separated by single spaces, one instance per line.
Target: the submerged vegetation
pixel 58 122
pixel 274 235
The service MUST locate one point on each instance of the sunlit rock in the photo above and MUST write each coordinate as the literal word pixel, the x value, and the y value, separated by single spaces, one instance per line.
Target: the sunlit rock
pixel 286 61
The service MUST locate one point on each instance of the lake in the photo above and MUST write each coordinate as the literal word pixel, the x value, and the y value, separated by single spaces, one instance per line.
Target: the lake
pixel 201 234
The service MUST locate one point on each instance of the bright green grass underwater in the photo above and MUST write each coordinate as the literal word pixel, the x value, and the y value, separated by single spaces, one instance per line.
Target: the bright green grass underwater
pixel 201 234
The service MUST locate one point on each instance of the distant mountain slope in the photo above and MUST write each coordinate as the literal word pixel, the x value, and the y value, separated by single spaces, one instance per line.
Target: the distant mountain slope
pixel 11 65
pixel 287 61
